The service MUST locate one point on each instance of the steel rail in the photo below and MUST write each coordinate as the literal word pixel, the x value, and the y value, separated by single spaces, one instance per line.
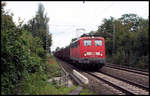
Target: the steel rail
pixel 130 82
pixel 127 69
pixel 113 85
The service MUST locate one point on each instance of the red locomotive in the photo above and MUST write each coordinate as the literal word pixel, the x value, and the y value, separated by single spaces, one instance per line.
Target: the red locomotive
pixel 87 52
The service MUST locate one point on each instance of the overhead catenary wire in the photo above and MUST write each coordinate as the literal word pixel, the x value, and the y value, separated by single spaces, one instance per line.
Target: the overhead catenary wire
pixel 74 27
pixel 83 26
pixel 63 31
pixel 98 16
pixel 103 11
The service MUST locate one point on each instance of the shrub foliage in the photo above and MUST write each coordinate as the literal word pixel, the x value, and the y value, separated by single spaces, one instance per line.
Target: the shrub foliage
pixel 21 53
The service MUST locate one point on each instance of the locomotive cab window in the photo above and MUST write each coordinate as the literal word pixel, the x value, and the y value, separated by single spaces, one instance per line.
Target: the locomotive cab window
pixel 98 42
pixel 87 42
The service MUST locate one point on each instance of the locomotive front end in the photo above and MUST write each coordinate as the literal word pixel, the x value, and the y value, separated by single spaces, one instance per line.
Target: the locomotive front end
pixel 92 52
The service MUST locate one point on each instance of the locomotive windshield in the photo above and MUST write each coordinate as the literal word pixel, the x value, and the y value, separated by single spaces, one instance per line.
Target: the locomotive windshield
pixel 87 42
pixel 98 42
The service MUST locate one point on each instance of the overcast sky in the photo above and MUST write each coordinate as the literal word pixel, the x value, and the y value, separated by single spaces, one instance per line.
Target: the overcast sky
pixel 66 17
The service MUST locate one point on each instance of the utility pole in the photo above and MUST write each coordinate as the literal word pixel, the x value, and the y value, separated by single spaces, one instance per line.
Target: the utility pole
pixel 46 46
pixel 47 49
pixel 114 38
pixel 83 1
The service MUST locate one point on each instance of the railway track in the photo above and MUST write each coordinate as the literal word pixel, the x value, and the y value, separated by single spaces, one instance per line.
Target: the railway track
pixel 134 77
pixel 128 69
pixel 130 82
pixel 69 68
pixel 125 87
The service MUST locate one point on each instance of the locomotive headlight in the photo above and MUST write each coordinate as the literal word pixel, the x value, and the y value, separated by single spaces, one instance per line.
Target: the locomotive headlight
pixel 84 54
pixel 101 54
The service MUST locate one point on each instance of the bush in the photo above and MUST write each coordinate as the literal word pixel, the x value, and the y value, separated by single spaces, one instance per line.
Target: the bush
pixel 18 54
pixel 14 56
pixel 143 62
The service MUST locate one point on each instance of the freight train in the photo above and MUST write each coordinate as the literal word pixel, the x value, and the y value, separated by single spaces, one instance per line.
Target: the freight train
pixel 87 52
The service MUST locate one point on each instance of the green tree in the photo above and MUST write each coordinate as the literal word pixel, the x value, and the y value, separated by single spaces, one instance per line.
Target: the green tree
pixel 14 54
pixel 73 39
pixel 130 19
pixel 39 27
pixel 57 49
pixel 106 29
pixel 20 53
pixel 131 40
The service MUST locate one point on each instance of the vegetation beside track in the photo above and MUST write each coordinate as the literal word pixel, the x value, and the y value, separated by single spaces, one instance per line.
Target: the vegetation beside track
pixel 126 40
pixel 36 83
pixel 24 64
pixel 86 91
